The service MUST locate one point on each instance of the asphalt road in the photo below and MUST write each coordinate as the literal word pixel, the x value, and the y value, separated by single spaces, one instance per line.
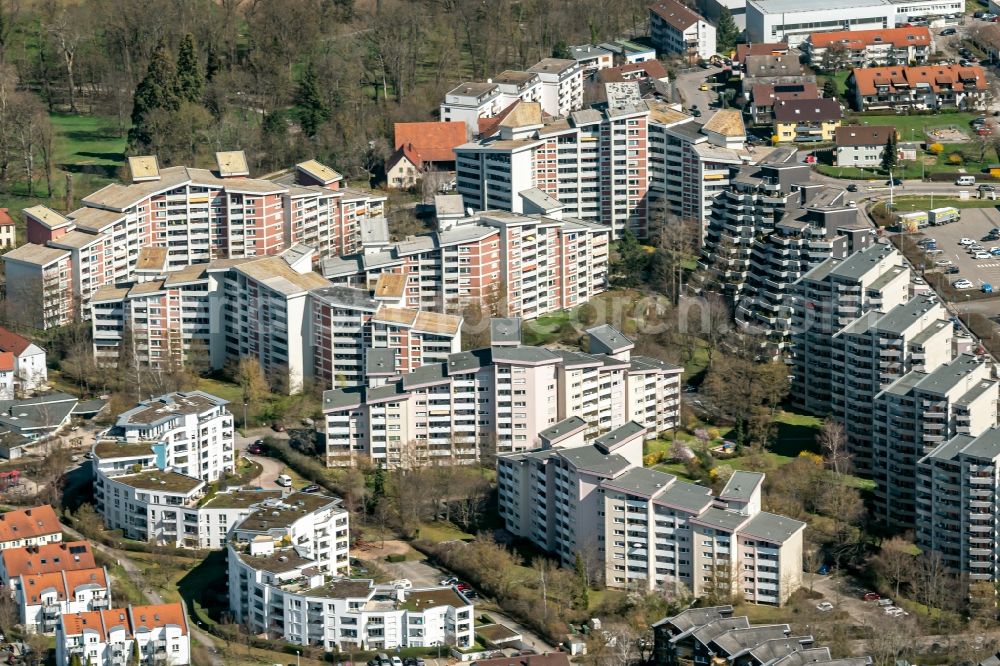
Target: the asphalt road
pixel 686 91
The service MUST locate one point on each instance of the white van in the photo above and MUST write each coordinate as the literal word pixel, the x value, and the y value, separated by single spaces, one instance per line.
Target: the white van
pixel 284 480
pixel 965 180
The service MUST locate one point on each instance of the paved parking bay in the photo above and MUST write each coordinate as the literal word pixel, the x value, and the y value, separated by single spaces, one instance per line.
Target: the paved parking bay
pixel 975 224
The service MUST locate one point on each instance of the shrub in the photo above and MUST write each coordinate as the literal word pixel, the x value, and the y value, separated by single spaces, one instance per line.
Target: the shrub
pixel 956 158
pixel 395 558
pixel 936 148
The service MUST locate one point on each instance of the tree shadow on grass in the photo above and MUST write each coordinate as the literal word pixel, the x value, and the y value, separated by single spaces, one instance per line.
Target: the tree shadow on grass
pixel 792 439
pixel 205 585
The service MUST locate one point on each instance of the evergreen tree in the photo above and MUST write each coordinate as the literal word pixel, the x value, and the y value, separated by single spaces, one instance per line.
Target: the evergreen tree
pixel 726 32
pixel 582 597
pixel 190 82
pixel 212 64
pixel 313 111
pixel 561 50
pixel 889 156
pixel 74 660
pixel 157 90
pixel 830 88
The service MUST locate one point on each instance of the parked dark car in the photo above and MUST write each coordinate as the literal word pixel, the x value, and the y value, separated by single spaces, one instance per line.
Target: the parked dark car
pixel 948 31
pixel 895 182
pixel 951 270
pixel 311 488
pixel 853 187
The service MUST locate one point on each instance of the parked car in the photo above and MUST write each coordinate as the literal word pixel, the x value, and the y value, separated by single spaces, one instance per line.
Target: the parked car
pixel 987 288
pixel 447 582
pixel 402 583
pixel 255 449
pixel 895 182
pixel 982 255
pixel 871 596
pixel 311 488
pixel 277 427
pixel 951 270
pixel 943 262
pixel 966 241
pixel 979 15
pixel 824 606
pixel 995 251
pixel 853 187
pixel 284 481
pixel 948 31
pixel 962 284
pixel 824 569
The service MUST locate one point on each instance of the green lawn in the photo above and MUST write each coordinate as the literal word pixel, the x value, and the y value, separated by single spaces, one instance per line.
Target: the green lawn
pixel 840 78
pixel 545 329
pixel 913 203
pixel 439 531
pixel 912 128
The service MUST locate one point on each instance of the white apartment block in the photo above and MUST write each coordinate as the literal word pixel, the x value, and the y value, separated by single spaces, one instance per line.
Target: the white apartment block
pixel 42 598
pixel 591 165
pixel 661 532
pixel 957 505
pixel 279 593
pixel 874 351
pixel 37 526
pixel 556 85
pixel 562 85
pixel 297 324
pixel 828 298
pixel 191 432
pixel 191 215
pixel 504 263
pixel 158 634
pixel 503 398
pixel 314 525
pixel 917 413
pixel 676 29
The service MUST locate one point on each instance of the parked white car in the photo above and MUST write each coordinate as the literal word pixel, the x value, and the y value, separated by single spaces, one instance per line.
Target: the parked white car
pixel 966 241
pixel 982 255
pixel 824 606
pixel 402 583
pixel 962 284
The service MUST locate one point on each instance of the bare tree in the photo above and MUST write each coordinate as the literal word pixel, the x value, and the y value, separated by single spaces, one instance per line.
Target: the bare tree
pixel 833 443
pixel 897 562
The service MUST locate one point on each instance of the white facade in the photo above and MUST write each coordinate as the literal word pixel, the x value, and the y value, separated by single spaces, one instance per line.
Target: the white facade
pixel 471 101
pixel 501 398
pixel 676 29
pixel 792 21
pixel 111 637
pixel 562 85
pixel 43 598
pixel 29 527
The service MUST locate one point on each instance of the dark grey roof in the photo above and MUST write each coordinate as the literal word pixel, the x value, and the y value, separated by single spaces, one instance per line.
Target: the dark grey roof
pixel 380 361
pixel 385 392
pixel 693 618
pixel 612 440
pixel 505 330
pixel 346 297
pixel 86 407
pixel 609 340
pixel 772 527
pixel 343 398
pixel 565 427
pixel 710 631
pixel 741 486
pixel 776 648
pixel 590 459
pixel 685 496
pixel 432 373
pixel 899 319
pixel 949 375
pixel 642 481
pixel 737 641
pixel 524 355
pixel 722 519
pixel 469 361
pixel 647 363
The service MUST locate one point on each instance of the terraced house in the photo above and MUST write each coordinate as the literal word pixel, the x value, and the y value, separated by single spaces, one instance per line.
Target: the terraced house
pixel 924 88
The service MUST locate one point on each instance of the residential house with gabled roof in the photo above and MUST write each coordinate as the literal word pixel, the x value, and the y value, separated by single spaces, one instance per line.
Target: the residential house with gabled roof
pixel 158 634
pixel 806 120
pixel 29 527
pixel 8 229
pixel 862 145
pixel 30 369
pixel 911 45
pixel 421 148
pixel 925 88
pixel 43 597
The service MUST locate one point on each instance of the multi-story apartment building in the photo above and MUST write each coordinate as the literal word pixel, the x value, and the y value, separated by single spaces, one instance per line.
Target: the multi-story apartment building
pixel 315 526
pixel 505 263
pixel 280 593
pixel 193 215
pixel 157 634
pixel 501 399
pixel 47 558
pixel 925 88
pixel 37 526
pixel 874 351
pixel 767 230
pixel 763 97
pixel 806 120
pixel 828 298
pixel 42 598
pixel 863 145
pixel 661 532
pixel 40 291
pixel 917 413
pixel 841 49
pixel 192 433
pixel 555 84
pixel 656 530
pixel 704 635
pixel 298 325
pixel 957 505
pixel 676 29
pixel 593 164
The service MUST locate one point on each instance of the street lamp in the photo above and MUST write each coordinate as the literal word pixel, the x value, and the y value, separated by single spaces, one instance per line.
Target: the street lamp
pixel 297 652
pixel 245 424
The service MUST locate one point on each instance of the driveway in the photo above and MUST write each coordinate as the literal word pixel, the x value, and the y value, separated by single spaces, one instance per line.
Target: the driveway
pixel 270 469
pixel 686 91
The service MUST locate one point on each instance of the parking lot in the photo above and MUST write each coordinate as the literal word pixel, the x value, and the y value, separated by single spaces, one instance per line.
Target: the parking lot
pixel 976 223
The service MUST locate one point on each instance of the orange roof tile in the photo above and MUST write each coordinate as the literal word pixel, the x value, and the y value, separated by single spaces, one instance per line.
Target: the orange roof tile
pixel 95 577
pixel 12 342
pixel 6 361
pixel 5 219
pixel 29 523
pixel 61 556
pixel 65 583
pixel 935 76
pixel 434 142
pixel 158 616
pixel 859 39
pixel 74 624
